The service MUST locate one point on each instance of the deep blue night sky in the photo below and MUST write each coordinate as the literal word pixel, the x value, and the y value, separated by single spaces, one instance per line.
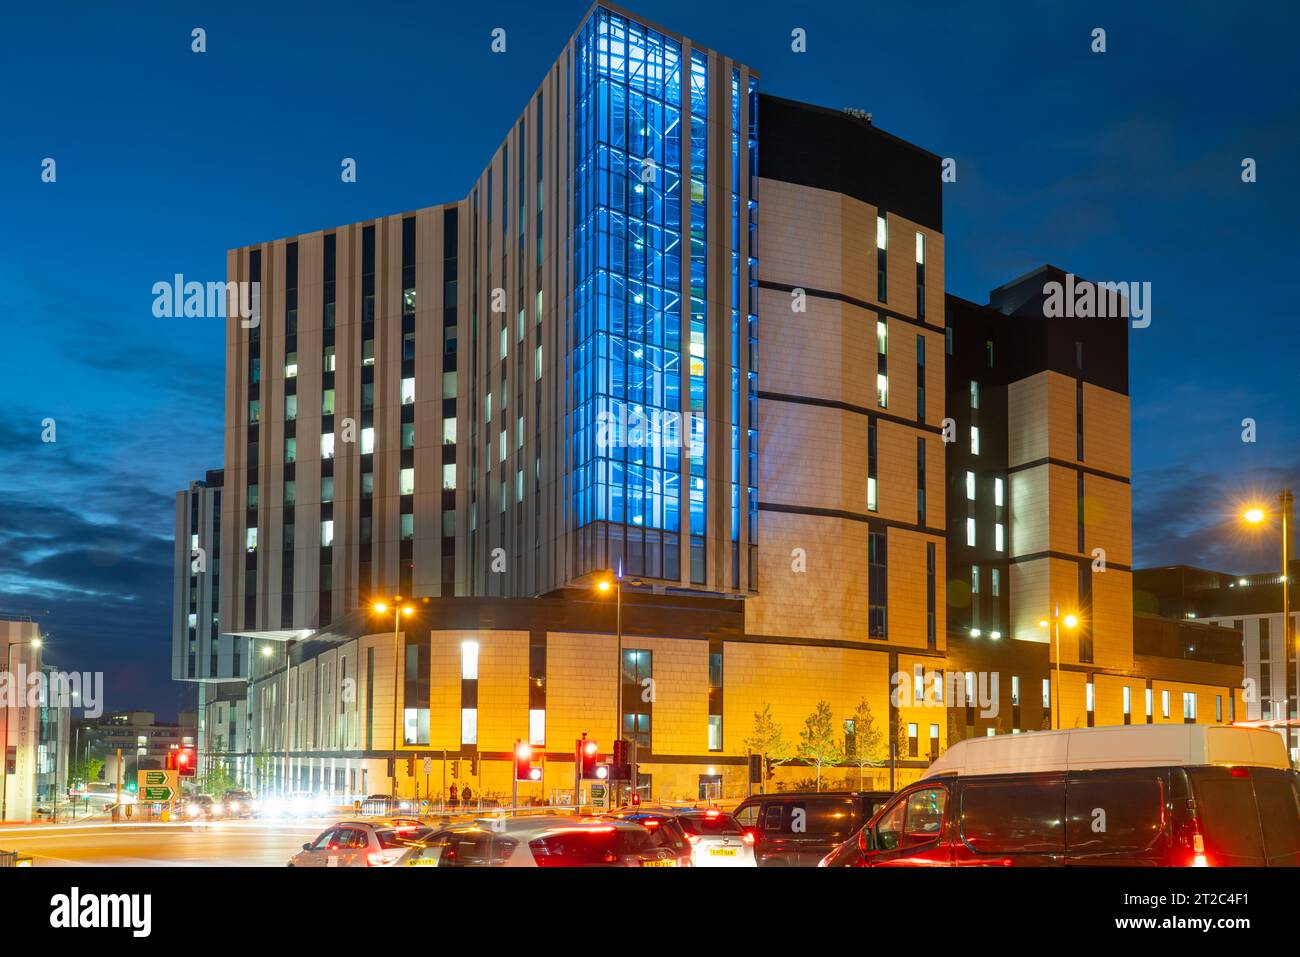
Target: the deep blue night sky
pixel 1118 166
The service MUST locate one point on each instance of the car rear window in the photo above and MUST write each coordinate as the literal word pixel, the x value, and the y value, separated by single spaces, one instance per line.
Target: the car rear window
pixel 1014 816
pixel 1107 812
pixel 706 824
pixel 402 836
pixel 1278 794
pixel 588 848
pixel 823 817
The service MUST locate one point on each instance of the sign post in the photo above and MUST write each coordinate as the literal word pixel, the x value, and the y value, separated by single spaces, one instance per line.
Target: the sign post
pixel 158 786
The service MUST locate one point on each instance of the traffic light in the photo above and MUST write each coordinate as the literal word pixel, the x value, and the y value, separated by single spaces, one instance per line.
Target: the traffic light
pixel 590 758
pixel 622 765
pixel 186 763
pixel 524 770
pixel 410 766
pixel 755 769
pixel 473 767
pixel 455 769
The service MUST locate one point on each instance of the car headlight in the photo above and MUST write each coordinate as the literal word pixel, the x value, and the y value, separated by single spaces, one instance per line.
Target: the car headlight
pixel 192 811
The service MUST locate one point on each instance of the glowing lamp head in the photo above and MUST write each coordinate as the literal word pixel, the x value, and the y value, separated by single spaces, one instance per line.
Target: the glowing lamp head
pixel 1253 516
pixel 379 607
pixel 602 773
pixel 408 610
pixel 590 747
pixel 36 642
pixel 604 585
pixel 1042 623
pixel 1070 621
pixel 524 750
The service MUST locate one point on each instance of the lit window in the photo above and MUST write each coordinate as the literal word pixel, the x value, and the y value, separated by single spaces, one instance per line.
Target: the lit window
pixel 537 364
pixel 406 482
pixel 1015 689
pixel 974 440
pixel 328 363
pixel 290 450
pixel 449 385
pixel 408 391
pixel 537 727
pixel 519 432
pixel 449 477
pixel 715 732
pixel 327 488
pixel 407 526
pixel 970 532
pixel 327 533
pixel 1164 704
pixel 519 485
pixel 368 352
pixel 290 408
pixel 469 725
pixel 505 340
pixel 1047 693
pixel 974 394
pixel 327 402
pixel 469 659
pixel 1148 702
pixel 250 539
pixel 367 440
pixel 1189 705
pixel 882 390
pixel 327 445
pixel 502 445
pixel 254 411
pixel 449 431
pixel 1128 700
pixel 970 486
pixel 882 337
pixel 920 249
pixel 999 537
pixel 291 365
pixel 997 492
pixel 871 494
pixel 1090 697
pixel 882 233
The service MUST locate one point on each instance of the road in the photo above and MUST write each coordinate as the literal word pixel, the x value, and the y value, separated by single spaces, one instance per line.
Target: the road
pixel 214 844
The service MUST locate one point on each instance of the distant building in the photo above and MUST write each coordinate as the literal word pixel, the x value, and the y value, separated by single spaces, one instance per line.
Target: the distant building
pixel 1249 605
pixel 33 725
pixel 142 740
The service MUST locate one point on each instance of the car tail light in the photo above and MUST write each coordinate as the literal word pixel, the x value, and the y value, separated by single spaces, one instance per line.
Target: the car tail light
pixel 376 860
pixel 711 813
pixel 693 838
pixel 747 837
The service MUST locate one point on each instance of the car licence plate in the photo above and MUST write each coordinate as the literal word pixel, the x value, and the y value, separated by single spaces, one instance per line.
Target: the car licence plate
pixel 668 863
pixel 722 852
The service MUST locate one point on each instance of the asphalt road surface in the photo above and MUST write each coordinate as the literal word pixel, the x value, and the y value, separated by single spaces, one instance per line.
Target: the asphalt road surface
pixel 212 844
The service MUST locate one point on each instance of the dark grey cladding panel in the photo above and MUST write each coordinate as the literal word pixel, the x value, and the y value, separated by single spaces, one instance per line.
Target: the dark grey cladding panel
pixel 829 149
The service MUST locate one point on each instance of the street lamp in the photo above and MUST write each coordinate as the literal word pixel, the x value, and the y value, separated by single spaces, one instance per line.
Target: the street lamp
pixel 607 582
pixel 399 610
pixel 4 758
pixel 1256 515
pixel 1071 621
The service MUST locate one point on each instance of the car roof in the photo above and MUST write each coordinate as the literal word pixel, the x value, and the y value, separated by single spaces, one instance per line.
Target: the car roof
pixel 803 795
pixel 1121 746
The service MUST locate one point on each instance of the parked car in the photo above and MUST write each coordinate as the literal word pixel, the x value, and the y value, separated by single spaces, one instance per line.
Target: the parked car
pixel 798 828
pixel 711 837
pixel 1146 795
pixel 542 841
pixel 361 844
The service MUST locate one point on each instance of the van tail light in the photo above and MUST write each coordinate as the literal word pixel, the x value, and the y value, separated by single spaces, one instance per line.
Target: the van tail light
pixel 1191 841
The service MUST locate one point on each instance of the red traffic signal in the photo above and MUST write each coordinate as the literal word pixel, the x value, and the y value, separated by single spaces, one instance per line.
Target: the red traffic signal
pixel 590 759
pixel 183 761
pixel 524 770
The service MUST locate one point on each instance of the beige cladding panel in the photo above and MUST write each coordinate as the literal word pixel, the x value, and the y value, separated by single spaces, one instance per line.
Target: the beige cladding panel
pixel 502 689
pixel 679 696
pixel 580 686
pixel 799 242
pixel 1106 430
pixel 1029 511
pixel 1112 618
pixel 907 593
pixel 792 679
pixel 1107 511
pixel 822 353
pixel 812 578
pixel 812 456
pixel 1027 417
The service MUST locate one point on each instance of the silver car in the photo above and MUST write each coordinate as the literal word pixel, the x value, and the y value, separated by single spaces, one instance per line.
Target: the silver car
pixel 716 837
pixel 540 841
pixel 361 844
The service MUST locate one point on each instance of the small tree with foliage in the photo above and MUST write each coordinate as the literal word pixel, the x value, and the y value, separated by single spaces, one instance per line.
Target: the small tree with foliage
pixel 86 770
pixel 768 741
pixel 820 741
pixel 868 747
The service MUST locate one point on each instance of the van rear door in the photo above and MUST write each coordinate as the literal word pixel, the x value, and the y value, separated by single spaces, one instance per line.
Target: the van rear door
pixel 1228 816
pixel 1115 818
pixel 1277 793
pixel 1012 820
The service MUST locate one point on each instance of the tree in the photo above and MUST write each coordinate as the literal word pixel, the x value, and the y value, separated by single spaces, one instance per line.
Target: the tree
pixel 86 770
pixel 868 746
pixel 768 741
pixel 262 770
pixel 820 742
pixel 217 781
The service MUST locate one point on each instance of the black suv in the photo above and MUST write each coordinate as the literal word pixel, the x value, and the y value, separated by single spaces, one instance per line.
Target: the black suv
pixel 798 828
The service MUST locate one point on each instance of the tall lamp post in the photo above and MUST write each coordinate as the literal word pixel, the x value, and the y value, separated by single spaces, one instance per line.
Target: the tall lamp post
pixel 1286 516
pixel 4 758
pixel 1070 621
pixel 614 581
pixel 399 610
